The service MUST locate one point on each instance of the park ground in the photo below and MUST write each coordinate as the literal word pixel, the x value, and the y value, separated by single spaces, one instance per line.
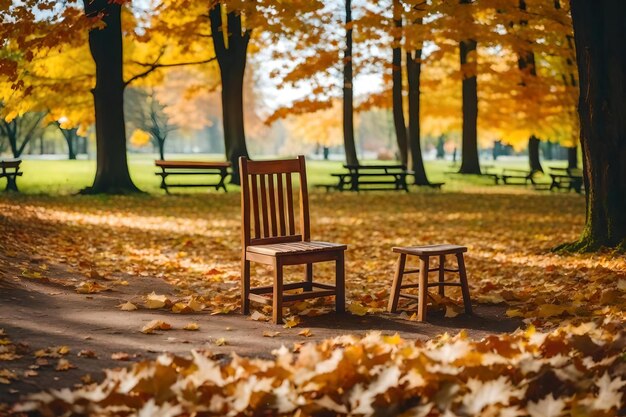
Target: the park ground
pixel 82 276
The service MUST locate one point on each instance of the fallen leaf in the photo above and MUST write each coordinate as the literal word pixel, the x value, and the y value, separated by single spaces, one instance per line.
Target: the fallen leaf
pixel 127 306
pixel 291 321
pixel 305 333
pixel 64 365
pixel 191 326
pixel 155 325
pixel 269 333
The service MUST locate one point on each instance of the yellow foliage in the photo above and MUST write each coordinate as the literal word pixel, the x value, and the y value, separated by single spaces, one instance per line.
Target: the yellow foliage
pixel 140 138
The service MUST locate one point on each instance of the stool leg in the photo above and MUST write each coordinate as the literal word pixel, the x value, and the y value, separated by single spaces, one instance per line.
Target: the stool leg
pixel 442 261
pixel 467 302
pixel 423 288
pixel 397 283
pixel 340 284
pixel 277 313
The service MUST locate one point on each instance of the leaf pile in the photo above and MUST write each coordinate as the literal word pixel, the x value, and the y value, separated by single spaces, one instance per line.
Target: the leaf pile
pixel 573 370
pixel 193 242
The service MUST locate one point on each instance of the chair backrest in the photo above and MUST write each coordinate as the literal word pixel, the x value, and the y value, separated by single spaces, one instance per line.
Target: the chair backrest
pixel 267 201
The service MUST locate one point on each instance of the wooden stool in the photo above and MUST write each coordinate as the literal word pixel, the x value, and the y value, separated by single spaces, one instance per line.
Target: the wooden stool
pixel 424 253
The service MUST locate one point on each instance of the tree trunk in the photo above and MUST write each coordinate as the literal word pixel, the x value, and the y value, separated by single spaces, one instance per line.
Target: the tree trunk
pixel 533 154
pixel 413 70
pixel 600 36
pixel 326 152
pixel 469 148
pixel 396 88
pixel 112 175
pixel 572 157
pixel 232 62
pixel 348 93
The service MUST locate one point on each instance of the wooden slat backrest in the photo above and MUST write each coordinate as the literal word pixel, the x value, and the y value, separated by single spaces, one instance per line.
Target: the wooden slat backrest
pixel 267 201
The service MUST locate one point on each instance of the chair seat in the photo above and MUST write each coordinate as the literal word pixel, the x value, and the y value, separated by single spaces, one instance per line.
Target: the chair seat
pixel 430 250
pixel 282 249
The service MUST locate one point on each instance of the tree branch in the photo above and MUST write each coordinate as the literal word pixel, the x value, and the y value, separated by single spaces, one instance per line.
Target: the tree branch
pixel 154 66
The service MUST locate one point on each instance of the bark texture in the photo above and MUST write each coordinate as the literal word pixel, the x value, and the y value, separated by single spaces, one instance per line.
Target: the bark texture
pixel 231 57
pixel 413 70
pixel 396 88
pixel 112 175
pixel 533 154
pixel 572 157
pixel 600 36
pixel 469 152
pixel 348 93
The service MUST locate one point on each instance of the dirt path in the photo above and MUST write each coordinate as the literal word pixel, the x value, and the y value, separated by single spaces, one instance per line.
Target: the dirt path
pixel 39 314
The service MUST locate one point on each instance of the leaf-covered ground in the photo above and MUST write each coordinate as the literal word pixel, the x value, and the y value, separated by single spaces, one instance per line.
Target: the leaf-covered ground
pixel 192 243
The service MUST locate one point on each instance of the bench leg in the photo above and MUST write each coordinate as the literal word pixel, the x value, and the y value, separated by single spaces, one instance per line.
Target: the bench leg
pixel 467 302
pixel 277 311
pixel 11 183
pixel 308 275
pixel 394 296
pixel 222 183
pixel 423 288
pixel 340 284
pixel 245 286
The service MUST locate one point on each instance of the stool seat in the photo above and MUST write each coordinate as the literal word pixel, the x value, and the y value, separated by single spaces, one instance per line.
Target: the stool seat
pixel 430 250
pixel 424 253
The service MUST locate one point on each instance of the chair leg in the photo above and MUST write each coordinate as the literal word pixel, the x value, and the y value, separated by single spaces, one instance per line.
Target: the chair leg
pixel 309 277
pixel 277 313
pixel 245 286
pixel 397 283
pixel 442 262
pixel 467 302
pixel 423 288
pixel 340 284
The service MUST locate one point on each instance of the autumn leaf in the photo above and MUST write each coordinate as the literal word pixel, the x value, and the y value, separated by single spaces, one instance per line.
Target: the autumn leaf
pixel 155 325
pixel 270 333
pixel 191 326
pixel 154 301
pixel 127 306
pixel 90 287
pixel 357 309
pixel 220 342
pixel 257 316
pixel 64 365
pixel 120 356
pixel 305 333
pixel 87 353
pixel 291 321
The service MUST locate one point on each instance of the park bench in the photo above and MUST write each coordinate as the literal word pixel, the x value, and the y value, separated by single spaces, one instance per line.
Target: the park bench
pixel 10 169
pixel 372 177
pixel 269 236
pixel 566 178
pixel 219 169
pixel 512 176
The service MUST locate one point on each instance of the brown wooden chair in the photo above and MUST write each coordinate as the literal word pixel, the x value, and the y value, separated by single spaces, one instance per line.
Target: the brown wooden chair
pixel 267 210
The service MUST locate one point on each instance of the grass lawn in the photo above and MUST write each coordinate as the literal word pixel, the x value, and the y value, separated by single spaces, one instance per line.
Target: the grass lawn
pixel 68 177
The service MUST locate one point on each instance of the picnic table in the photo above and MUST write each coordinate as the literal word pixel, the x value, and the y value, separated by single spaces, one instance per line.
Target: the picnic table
pixel 10 169
pixel 168 168
pixel 372 177
pixel 566 178
pixel 513 176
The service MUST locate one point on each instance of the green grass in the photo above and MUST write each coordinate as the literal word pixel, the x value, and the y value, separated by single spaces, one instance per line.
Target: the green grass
pixel 68 177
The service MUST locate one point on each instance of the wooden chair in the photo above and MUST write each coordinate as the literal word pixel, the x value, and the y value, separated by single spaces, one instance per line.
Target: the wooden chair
pixel 267 203
pixel 424 253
